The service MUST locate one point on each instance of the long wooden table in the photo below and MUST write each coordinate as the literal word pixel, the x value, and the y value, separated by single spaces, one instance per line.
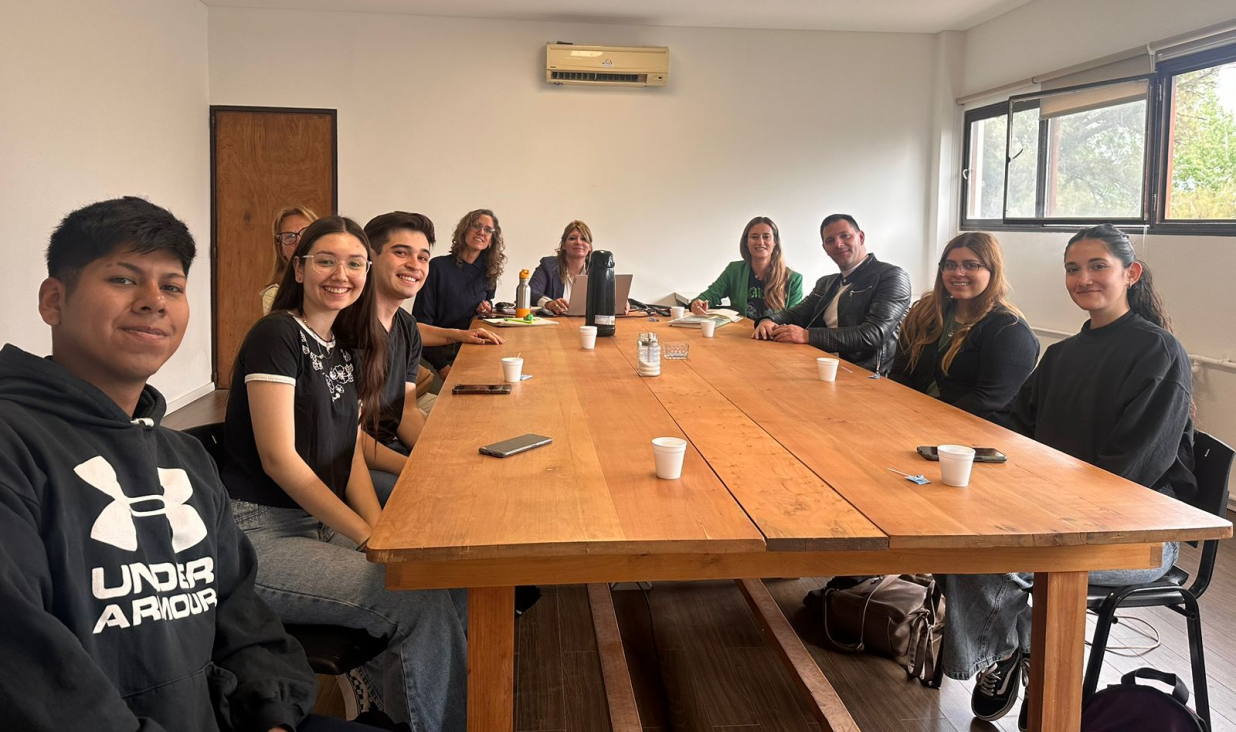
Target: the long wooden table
pixel 784 476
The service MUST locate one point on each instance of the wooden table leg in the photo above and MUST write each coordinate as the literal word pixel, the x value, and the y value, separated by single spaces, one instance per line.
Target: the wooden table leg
pixel 1057 638
pixel 491 659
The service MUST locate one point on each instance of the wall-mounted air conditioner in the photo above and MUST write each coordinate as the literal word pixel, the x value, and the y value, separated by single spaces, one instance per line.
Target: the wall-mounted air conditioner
pixel 606 65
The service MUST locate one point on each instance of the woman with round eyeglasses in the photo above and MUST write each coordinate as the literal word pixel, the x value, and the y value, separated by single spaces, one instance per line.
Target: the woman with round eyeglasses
pixel 289 224
pixel 300 487
pixel 461 285
pixel 758 284
pixel 964 343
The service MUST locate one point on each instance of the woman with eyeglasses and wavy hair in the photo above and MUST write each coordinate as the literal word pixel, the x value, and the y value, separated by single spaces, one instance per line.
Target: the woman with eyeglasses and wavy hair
pixel 964 342
pixel 461 285
pixel 290 222
pixel 301 490
pixel 759 283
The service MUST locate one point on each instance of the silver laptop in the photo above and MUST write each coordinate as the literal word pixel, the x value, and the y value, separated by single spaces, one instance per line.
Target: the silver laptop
pixel 579 294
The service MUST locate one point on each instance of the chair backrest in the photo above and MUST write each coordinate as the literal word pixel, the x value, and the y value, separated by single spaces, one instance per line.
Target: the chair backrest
pixel 211 437
pixel 1212 466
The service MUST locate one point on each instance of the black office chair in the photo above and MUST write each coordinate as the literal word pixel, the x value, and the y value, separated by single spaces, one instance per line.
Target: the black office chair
pixel 1213 465
pixel 333 650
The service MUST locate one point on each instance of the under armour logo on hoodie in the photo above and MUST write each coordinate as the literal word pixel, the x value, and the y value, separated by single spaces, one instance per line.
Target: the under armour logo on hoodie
pixel 117 524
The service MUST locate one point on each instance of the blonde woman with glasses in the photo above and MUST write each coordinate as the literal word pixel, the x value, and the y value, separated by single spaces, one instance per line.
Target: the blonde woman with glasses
pixel 290 222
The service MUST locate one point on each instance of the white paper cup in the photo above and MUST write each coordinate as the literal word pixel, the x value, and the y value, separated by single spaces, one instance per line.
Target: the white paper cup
pixel 677 312
pixel 668 453
pixel 955 464
pixel 707 328
pixel 512 368
pixel 588 337
pixel 827 368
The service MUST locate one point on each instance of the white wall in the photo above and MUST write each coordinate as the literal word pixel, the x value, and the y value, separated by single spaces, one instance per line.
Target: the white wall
pixel 99 100
pixel 442 115
pixel 1194 274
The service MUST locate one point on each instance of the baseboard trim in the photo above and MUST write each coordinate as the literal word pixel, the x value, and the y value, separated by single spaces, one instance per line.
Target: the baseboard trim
pixel 189 398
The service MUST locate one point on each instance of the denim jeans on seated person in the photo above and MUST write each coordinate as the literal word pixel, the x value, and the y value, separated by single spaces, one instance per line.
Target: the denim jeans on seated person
pixel 987 616
pixel 308 574
pixel 384 482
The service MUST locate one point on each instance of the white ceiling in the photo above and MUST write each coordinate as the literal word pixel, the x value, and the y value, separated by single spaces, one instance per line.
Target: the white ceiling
pixel 900 16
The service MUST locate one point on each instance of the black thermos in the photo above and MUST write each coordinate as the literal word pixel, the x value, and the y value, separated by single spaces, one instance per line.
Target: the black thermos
pixel 600 309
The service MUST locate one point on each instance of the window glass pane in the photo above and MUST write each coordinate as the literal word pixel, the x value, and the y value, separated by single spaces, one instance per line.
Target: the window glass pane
pixel 1095 162
pixel 985 166
pixel 1202 148
pixel 1023 163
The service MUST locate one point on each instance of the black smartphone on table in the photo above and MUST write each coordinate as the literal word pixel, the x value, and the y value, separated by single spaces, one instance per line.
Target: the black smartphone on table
pixel 481 389
pixel 981 454
pixel 515 445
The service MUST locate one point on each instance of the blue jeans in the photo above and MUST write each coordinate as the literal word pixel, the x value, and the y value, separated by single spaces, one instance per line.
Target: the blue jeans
pixel 384 482
pixel 309 574
pixel 987 616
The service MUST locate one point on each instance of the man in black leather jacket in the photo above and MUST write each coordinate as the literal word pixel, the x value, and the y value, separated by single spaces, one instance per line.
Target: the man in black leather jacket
pixel 855 313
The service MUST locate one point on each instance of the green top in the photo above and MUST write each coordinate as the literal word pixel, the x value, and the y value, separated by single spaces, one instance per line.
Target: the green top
pixel 733 284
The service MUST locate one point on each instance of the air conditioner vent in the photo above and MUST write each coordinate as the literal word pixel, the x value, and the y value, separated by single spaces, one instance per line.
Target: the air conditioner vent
pixel 595 76
pixel 610 66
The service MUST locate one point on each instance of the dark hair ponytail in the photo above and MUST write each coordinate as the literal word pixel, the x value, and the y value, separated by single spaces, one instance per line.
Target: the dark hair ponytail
pixel 1144 299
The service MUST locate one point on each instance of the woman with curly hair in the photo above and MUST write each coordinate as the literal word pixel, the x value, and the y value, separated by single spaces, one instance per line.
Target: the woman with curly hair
pixel 461 284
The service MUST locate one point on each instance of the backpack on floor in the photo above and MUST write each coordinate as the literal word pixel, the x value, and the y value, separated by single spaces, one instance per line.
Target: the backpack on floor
pixel 1128 707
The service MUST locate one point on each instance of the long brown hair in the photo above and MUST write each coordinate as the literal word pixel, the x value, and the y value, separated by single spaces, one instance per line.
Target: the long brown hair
pixel 357 326
pixel 925 322
pixel 495 257
pixel 778 276
pixel 584 232
pixel 280 264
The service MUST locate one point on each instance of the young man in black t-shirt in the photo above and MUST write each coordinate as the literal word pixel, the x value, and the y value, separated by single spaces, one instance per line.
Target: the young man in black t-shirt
pixel 402 242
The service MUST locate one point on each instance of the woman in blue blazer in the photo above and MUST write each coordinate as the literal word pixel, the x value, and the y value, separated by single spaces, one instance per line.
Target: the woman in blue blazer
pixel 552 280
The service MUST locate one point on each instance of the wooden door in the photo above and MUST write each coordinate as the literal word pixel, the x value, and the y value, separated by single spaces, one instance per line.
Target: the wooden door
pixel 261 161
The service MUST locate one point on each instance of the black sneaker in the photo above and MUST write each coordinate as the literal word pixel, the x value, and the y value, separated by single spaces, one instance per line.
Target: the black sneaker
pixel 995 688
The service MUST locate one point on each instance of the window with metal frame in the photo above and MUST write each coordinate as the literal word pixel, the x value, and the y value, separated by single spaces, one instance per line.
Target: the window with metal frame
pixel 1197 150
pixel 1085 150
pixel 984 147
pixel 1154 151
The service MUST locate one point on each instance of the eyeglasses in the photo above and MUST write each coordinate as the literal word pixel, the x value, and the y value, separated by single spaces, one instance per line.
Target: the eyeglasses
pixel 326 264
pixel 951 266
pixel 289 237
pixel 478 226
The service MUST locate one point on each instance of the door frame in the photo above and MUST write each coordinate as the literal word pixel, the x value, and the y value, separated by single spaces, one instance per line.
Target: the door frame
pixel 214 230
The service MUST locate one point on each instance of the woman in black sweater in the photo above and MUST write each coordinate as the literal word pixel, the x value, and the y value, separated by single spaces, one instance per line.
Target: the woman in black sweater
pixel 963 342
pixel 461 285
pixel 1117 395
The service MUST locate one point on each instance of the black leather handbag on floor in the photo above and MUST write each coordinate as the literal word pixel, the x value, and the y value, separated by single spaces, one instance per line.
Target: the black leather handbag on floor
pixel 899 616
pixel 1129 707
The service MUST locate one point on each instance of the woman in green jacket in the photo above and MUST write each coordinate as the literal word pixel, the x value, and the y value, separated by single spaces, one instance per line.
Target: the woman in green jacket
pixel 760 283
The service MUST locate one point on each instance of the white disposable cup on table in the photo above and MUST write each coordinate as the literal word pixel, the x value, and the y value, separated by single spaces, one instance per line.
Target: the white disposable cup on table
pixel 707 328
pixel 668 453
pixel 588 337
pixel 512 368
pixel 677 312
pixel 955 464
pixel 827 368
